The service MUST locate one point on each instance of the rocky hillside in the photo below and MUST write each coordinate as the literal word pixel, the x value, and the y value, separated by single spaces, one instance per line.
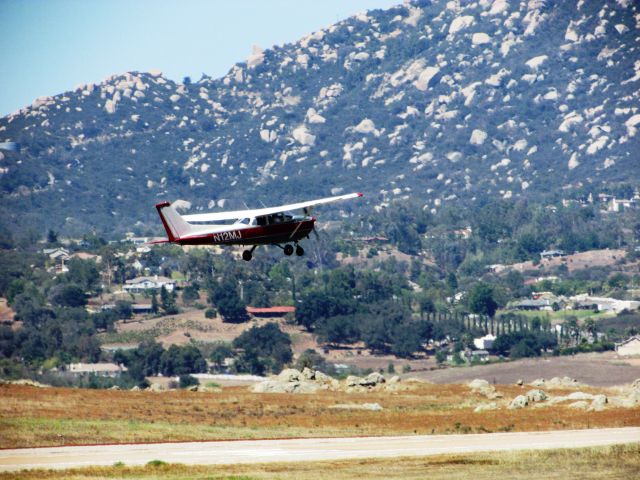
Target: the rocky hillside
pixel 436 101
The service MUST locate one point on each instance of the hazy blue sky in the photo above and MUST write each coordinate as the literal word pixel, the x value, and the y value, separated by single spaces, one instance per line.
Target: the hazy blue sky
pixel 50 46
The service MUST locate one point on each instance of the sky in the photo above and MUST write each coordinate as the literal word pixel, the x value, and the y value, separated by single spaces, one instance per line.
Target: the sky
pixel 48 47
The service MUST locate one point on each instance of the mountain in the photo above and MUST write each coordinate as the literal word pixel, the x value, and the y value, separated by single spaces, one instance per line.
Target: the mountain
pixel 434 101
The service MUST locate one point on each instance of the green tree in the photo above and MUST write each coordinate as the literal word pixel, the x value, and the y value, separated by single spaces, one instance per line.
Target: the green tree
pixel 69 295
pixel 265 349
pixel 155 308
pixel 481 299
pixel 219 353
pixel 225 298
pixel 168 301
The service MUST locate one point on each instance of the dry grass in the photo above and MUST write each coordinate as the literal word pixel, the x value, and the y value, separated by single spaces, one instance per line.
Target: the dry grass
pixel 621 461
pixel 57 416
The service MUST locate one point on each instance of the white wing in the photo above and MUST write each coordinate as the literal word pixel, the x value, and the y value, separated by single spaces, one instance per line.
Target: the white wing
pixel 239 214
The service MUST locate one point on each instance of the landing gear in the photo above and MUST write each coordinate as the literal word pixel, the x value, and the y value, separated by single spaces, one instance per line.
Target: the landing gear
pixel 288 250
pixel 248 254
pixel 299 251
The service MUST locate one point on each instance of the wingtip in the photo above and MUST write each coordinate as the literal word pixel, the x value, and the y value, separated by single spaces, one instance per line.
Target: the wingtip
pixel 360 194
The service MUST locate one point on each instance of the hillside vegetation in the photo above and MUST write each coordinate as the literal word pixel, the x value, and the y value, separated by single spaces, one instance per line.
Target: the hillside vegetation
pixel 441 102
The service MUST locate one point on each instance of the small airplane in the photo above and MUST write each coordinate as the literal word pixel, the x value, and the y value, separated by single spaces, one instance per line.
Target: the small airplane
pixel 263 226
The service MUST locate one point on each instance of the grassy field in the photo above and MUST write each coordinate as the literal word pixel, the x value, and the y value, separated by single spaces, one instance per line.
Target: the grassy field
pixel 614 462
pixel 32 416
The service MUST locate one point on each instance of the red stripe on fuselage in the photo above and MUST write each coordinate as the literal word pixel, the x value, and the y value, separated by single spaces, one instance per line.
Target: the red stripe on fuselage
pixel 263 235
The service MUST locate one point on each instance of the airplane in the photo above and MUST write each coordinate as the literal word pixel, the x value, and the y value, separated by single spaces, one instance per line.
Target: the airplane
pixel 263 226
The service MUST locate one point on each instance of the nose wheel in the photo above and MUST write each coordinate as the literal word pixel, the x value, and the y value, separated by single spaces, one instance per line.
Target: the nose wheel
pixel 299 251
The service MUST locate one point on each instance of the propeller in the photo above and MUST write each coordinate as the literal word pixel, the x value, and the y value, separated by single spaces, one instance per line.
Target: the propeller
pixel 307 211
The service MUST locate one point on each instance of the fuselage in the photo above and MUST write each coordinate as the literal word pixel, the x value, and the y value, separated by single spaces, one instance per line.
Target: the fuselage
pixel 241 234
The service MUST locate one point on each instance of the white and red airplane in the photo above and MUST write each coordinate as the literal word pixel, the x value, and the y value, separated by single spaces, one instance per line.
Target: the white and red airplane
pixel 263 226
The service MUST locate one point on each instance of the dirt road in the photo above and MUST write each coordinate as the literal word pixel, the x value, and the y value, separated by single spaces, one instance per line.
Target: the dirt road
pixel 293 450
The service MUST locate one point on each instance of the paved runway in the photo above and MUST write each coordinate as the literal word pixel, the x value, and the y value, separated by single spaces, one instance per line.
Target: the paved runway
pixel 308 449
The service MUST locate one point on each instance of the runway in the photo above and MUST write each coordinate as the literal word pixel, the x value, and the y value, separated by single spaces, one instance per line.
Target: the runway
pixel 308 449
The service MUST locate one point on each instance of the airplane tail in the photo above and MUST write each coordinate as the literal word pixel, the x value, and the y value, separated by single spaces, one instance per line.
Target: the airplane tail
pixel 174 224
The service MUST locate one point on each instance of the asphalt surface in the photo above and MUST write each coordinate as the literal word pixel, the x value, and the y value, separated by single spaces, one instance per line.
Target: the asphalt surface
pixel 308 449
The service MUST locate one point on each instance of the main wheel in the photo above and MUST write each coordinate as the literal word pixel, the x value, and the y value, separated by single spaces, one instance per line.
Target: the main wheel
pixel 299 250
pixel 288 250
pixel 246 255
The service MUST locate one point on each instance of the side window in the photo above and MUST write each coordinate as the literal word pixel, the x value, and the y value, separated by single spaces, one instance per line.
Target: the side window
pixel 244 221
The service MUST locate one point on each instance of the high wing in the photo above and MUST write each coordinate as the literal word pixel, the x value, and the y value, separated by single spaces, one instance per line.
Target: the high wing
pixel 239 214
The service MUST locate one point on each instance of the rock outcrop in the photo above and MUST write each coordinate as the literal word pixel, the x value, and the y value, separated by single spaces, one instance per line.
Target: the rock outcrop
pixel 484 388
pixel 519 402
pixel 291 380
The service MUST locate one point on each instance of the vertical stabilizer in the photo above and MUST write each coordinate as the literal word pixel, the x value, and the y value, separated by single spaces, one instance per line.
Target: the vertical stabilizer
pixel 174 224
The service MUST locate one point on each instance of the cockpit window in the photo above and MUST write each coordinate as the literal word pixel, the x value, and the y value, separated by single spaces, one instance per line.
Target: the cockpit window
pixel 245 221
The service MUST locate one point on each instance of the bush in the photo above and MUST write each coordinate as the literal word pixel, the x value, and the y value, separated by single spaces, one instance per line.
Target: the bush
pixel 188 381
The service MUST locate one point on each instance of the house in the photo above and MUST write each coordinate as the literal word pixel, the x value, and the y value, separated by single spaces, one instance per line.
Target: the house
pixel 140 284
pixel 481 355
pixel 535 304
pixel 57 254
pixel 547 254
pixel 141 308
pixel 630 347
pixel 271 312
pixel 484 343
pixel 463 233
pixel 604 304
pixel 100 369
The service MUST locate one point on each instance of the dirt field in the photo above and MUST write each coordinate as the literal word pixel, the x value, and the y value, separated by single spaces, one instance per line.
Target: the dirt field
pixel 32 416
pixel 577 261
pixel 596 369
pixel 193 325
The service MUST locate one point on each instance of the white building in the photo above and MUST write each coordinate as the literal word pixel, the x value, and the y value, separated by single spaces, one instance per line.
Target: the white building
pixel 484 343
pixel 140 284
pixel 101 369
pixel 604 304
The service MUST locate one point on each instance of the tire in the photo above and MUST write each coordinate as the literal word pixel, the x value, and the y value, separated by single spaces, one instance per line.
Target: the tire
pixel 288 250
pixel 299 251
pixel 246 255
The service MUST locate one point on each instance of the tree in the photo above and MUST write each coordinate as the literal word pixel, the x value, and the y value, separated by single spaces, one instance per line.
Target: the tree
pixel 342 329
pixel 182 360
pixel 311 359
pixel 69 295
pixel 168 301
pixel 265 349
pixel 84 273
pixel 187 381
pixel 220 353
pixel 225 298
pixel 425 304
pixel 123 310
pixel 154 302
pixel 481 300
pixel 190 293
pixel 52 237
